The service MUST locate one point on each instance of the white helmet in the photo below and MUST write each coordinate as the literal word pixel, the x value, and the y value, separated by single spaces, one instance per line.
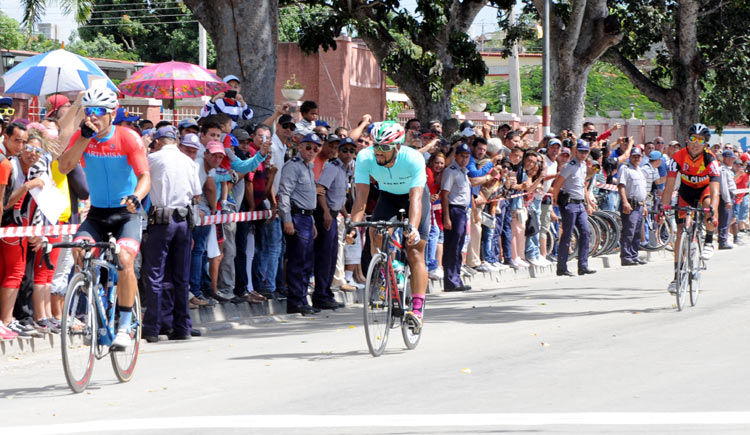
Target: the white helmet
pixel 100 97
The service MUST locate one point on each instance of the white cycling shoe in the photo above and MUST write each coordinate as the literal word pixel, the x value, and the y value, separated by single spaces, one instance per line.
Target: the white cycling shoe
pixel 672 289
pixel 708 252
pixel 122 339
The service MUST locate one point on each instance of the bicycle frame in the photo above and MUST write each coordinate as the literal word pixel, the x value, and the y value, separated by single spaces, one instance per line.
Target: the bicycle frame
pixel 390 241
pixel 92 269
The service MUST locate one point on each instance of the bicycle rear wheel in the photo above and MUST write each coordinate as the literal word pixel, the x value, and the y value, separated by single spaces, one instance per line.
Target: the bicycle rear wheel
pixel 377 305
pixel 411 339
pixel 124 361
pixel 683 270
pixel 78 333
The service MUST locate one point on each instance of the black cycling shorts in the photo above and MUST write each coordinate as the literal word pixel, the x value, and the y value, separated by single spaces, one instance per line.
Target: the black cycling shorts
pixel 690 197
pixel 389 204
pixel 124 226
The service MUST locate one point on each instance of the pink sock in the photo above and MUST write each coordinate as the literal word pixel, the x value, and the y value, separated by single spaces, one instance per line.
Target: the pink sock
pixel 417 302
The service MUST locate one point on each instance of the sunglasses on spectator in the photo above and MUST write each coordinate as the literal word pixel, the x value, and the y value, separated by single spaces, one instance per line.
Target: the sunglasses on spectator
pixel 288 126
pixel 310 146
pixel 384 147
pixel 698 140
pixel 96 111
pixel 33 149
pixel 659 143
pixel 347 150
pixel 7 111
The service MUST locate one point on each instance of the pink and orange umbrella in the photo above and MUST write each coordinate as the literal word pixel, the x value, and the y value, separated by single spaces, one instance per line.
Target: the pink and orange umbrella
pixel 172 80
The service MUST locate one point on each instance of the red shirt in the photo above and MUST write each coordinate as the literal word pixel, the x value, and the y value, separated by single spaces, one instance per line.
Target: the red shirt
pixel 742 183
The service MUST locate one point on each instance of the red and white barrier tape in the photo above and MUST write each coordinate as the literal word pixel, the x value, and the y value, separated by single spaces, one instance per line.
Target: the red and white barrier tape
pixel 605 186
pixel 69 229
pixel 738 191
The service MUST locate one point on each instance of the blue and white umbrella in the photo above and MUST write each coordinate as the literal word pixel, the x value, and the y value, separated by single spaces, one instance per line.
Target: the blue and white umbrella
pixel 52 72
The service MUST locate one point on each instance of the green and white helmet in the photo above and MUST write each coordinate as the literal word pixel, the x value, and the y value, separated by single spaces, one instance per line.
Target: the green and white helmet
pixel 387 132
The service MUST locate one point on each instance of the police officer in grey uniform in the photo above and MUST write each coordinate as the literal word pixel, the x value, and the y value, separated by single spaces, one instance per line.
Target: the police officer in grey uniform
pixel 297 201
pixel 569 192
pixel 455 198
pixel 631 185
pixel 332 186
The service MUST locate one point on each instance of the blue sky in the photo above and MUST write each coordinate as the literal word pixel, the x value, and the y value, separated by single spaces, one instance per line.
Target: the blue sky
pixel 486 19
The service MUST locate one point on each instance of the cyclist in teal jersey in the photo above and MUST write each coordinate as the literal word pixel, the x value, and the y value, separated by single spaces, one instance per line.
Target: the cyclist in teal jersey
pixel 401 177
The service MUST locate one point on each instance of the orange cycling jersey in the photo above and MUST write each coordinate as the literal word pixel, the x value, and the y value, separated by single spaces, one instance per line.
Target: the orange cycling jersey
pixel 696 172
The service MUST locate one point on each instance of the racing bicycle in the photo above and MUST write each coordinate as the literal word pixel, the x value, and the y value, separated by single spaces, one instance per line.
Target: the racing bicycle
pixel 89 321
pixel 689 262
pixel 387 294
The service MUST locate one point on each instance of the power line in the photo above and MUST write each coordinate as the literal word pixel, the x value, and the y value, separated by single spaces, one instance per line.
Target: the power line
pixel 138 3
pixel 133 24
pixel 139 17
pixel 147 9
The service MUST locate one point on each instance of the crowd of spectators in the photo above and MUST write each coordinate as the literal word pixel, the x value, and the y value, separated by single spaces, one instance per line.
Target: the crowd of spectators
pixel 230 164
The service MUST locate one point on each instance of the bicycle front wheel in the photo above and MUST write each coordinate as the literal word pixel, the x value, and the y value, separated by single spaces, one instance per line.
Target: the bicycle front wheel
pixel 377 305
pixel 78 333
pixel 683 269
pixel 124 361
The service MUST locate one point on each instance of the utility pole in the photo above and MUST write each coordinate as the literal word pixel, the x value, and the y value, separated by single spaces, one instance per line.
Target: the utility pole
pixel 202 49
pixel 514 74
pixel 545 69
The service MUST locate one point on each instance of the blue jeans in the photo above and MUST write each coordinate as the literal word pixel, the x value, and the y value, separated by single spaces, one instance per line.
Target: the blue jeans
pixel 200 239
pixel 612 203
pixel 532 243
pixel 488 252
pixel 432 242
pixel 270 252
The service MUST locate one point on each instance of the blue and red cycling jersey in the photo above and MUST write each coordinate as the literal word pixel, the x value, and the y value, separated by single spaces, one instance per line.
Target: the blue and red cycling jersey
pixel 112 165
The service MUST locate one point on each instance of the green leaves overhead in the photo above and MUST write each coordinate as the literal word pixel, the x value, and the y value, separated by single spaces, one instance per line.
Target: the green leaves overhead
pixel 428 49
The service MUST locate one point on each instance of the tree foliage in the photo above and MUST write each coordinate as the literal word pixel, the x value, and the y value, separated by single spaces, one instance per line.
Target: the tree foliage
pixel 11 37
pixel 102 46
pixel 698 55
pixel 152 31
pixel 426 53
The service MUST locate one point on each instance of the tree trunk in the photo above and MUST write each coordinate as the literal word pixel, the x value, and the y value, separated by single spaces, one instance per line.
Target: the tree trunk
pixel 245 34
pixel 568 95
pixel 685 107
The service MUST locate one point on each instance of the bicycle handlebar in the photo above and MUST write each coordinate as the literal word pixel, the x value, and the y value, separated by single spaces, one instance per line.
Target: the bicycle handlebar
pixel 86 245
pixel 686 208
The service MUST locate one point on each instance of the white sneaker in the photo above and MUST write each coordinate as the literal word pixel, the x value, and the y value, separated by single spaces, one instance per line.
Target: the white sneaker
pixel 122 339
pixel 354 283
pixel 708 252
pixel 520 262
pixel 672 289
pixel 433 274
pixel 543 262
pixel 534 261
pixel 499 266
pixel 491 267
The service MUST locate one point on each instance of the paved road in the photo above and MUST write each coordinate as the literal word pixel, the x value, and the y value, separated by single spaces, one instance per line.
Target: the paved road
pixel 607 352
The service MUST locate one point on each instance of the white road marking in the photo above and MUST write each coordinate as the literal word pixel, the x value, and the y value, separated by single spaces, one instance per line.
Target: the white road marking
pixel 415 420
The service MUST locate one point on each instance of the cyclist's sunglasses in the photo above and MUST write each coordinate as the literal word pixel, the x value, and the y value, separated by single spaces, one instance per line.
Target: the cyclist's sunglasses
pixel 696 139
pixel 7 111
pixel 288 126
pixel 384 147
pixel 96 111
pixel 33 149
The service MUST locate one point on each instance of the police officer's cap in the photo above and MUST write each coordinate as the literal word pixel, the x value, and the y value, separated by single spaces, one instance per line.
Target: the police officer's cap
pixel 582 145
pixel 312 138
pixel 347 141
pixel 463 148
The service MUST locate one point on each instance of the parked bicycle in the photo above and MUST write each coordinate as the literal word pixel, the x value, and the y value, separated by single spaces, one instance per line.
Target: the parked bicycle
pixel 387 294
pixel 90 317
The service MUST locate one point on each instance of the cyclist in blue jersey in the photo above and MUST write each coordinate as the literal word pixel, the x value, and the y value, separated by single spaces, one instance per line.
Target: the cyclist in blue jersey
pixel 401 177
pixel 116 168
